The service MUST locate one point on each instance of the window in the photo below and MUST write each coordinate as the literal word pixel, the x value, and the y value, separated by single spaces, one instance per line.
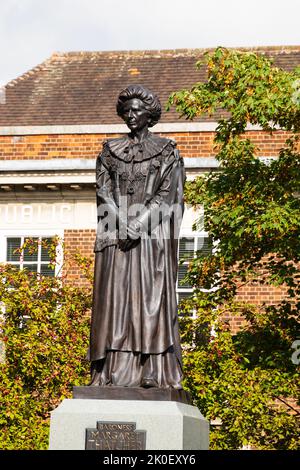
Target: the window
pixel 37 262
pixel 188 247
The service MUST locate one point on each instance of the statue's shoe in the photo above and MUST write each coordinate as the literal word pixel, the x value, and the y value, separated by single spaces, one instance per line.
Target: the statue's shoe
pixel 149 382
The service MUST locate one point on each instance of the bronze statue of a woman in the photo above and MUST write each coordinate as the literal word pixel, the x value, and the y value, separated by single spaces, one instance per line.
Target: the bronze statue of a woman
pixel 134 329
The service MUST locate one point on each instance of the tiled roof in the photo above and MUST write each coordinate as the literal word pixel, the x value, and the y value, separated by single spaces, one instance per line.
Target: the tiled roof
pixel 82 87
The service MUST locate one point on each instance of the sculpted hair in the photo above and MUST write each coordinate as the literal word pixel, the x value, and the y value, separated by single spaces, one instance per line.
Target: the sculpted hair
pixel 150 100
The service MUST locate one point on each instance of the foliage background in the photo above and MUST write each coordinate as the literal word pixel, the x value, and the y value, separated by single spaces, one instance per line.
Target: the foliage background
pixel 247 381
pixel 44 329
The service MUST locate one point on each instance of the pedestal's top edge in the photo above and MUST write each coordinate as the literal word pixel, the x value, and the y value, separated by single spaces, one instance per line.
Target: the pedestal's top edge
pixel 125 402
pixel 131 393
pixel 127 407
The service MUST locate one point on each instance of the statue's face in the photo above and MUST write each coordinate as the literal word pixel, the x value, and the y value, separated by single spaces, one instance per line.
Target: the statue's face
pixel 135 115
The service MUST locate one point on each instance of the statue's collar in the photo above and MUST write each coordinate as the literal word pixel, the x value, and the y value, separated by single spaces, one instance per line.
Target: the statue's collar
pixel 126 149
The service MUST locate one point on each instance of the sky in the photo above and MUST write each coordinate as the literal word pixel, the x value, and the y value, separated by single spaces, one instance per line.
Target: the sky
pixel 31 30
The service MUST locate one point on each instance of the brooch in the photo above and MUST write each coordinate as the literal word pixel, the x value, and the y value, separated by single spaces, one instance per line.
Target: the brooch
pixel 139 176
pixel 124 176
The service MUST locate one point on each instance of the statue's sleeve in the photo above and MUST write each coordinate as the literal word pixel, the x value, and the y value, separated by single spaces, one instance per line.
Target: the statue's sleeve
pixel 106 204
pixel 167 197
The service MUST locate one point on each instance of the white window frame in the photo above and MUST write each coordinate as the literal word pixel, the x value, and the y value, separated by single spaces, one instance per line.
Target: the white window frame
pixel 25 234
pixel 190 234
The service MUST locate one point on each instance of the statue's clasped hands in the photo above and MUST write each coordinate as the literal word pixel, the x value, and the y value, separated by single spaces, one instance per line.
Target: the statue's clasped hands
pixel 133 232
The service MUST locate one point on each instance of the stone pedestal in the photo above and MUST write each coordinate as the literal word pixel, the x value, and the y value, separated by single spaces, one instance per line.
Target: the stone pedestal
pixel 169 425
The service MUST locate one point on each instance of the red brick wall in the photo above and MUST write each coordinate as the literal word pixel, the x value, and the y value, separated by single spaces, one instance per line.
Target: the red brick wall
pixel 257 295
pixel 191 144
pixel 50 146
pixel 81 241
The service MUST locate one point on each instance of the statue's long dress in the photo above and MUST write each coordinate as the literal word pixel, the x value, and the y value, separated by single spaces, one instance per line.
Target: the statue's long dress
pixel 134 328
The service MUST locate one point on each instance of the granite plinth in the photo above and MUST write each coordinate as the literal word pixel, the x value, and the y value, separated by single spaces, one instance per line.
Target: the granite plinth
pixel 169 425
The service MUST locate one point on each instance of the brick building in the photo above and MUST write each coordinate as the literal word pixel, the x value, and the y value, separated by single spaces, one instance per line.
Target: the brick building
pixel 53 120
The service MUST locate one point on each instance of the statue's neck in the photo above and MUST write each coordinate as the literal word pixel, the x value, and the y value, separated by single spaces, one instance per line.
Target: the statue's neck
pixel 139 135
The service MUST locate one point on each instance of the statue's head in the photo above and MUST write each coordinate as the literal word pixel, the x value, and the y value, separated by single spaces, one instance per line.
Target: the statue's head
pixel 150 102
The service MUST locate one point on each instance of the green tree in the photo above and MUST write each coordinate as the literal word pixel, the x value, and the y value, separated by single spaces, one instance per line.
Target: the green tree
pixel 247 380
pixel 44 330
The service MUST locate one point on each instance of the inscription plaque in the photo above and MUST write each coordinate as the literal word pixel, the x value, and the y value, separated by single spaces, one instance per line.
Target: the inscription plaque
pixel 111 435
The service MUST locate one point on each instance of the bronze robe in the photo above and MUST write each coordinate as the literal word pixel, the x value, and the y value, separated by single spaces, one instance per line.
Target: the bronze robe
pixel 134 328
